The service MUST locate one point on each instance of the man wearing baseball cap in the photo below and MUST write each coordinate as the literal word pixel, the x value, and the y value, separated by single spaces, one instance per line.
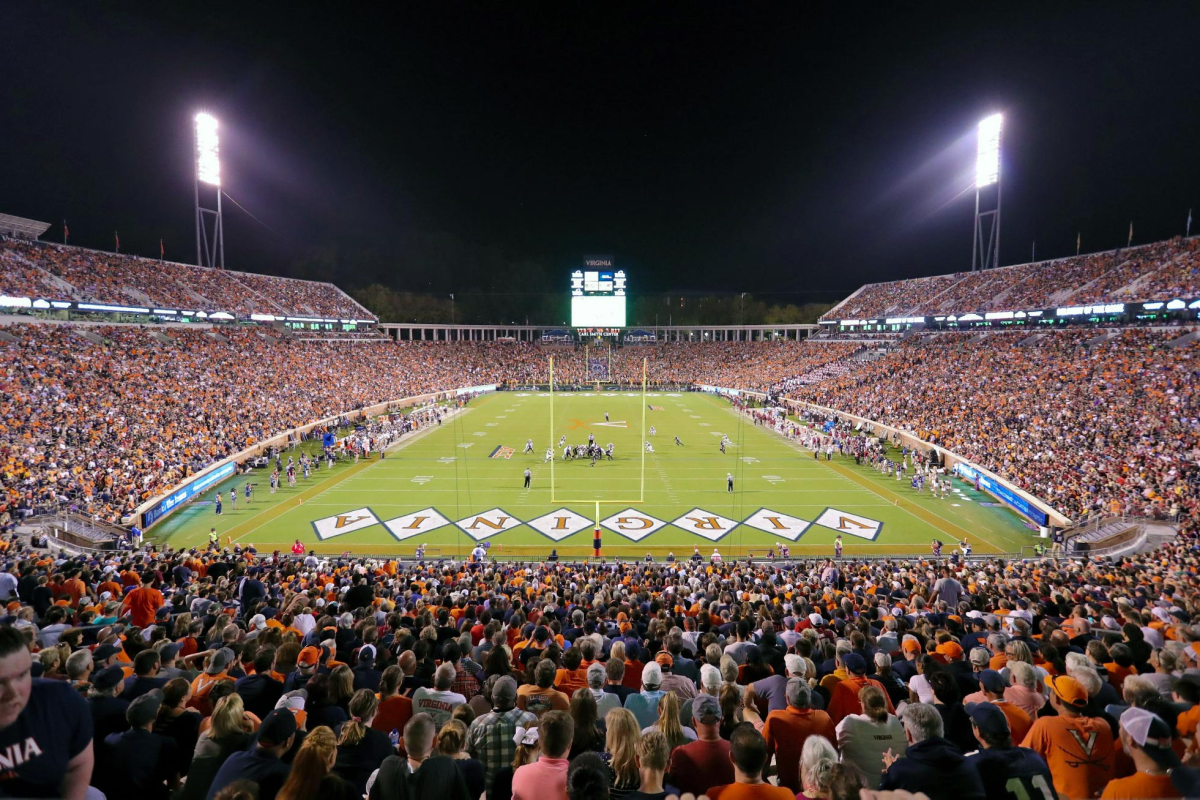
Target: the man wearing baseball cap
pixel 698 765
pixel 999 762
pixel 991 690
pixel 786 731
pixel 263 764
pixel 1147 740
pixel 138 762
pixel 1079 750
pixel 844 700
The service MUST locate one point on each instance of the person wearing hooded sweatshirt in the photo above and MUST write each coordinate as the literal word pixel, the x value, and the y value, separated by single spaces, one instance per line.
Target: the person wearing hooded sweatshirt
pixel 931 765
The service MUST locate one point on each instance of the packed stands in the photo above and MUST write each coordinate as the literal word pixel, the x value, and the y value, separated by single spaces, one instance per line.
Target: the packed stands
pixel 1160 271
pixel 58 272
pixel 109 424
pixel 244 674
pixel 1093 428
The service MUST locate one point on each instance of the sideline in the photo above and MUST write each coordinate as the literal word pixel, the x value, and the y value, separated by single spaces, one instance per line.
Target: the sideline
pixel 924 515
pixel 267 515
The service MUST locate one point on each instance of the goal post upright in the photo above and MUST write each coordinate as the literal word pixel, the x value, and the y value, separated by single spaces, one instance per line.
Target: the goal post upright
pixel 642 493
pixel 551 439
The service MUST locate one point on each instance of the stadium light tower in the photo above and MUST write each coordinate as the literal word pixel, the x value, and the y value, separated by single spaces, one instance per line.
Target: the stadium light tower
pixel 985 253
pixel 210 229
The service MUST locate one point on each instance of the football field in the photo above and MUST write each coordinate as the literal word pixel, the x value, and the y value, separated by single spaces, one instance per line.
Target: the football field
pixel 453 485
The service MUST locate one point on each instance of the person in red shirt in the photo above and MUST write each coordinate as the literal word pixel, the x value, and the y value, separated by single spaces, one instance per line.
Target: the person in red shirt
pixel 143 602
pixel 297 548
pixel 698 765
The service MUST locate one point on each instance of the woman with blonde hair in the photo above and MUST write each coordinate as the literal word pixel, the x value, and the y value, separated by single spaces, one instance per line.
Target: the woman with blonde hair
pixel 620 744
pixel 668 722
pixel 452 742
pixel 312 776
pixel 361 748
pixel 225 736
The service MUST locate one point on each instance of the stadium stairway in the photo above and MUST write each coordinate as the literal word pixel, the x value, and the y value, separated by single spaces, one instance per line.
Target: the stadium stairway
pixel 1184 340
pixel 67 288
pixel 929 302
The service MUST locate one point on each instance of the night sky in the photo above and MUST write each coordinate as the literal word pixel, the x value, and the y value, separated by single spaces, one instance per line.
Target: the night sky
pixel 790 150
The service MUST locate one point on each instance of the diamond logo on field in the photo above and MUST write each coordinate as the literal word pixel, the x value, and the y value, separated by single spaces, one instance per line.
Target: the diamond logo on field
pixel 632 524
pixel 345 523
pixel 853 524
pixel 489 523
pixel 415 524
pixel 776 524
pixel 705 523
pixel 558 525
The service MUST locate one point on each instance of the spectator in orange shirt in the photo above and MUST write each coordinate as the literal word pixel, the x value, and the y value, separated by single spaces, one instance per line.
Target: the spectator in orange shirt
pixel 786 731
pixel 143 602
pixel 1147 740
pixel 844 700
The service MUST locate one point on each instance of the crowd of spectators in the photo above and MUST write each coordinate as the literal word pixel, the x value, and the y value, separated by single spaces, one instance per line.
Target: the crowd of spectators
pixel 106 426
pixel 231 675
pixel 1089 427
pixel 123 279
pixel 1161 271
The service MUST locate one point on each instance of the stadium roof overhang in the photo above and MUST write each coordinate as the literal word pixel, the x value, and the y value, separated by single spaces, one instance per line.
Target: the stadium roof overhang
pixel 21 227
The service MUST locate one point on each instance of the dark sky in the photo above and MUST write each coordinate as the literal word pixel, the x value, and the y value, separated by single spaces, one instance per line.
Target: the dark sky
pixel 799 149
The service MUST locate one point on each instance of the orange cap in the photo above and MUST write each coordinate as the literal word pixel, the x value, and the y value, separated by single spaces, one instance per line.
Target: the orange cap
pixel 911 646
pixel 950 650
pixel 1069 690
pixel 309 656
pixel 664 660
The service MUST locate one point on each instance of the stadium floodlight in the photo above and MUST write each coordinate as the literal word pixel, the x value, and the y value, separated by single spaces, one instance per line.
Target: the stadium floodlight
pixel 987 161
pixel 985 252
pixel 208 161
pixel 210 228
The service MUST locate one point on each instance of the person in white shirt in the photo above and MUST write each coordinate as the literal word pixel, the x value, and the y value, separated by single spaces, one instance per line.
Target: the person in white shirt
pixel 438 702
pixel 863 738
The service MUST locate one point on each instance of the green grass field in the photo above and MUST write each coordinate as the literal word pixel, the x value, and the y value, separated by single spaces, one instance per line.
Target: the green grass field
pixel 449 487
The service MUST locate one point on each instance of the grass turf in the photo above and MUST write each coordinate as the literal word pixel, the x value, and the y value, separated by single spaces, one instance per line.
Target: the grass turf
pixel 451 470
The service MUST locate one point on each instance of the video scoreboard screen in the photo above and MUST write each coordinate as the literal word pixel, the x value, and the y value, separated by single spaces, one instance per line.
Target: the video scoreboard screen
pixel 598 294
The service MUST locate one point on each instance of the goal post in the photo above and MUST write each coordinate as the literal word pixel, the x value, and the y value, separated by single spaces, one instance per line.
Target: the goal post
pixel 592 501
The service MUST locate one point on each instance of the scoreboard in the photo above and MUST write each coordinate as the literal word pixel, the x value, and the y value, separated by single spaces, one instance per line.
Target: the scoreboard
pixel 598 294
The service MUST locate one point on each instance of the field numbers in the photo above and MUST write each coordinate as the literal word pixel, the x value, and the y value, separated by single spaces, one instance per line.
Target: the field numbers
pixel 773 479
pixel 422 479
